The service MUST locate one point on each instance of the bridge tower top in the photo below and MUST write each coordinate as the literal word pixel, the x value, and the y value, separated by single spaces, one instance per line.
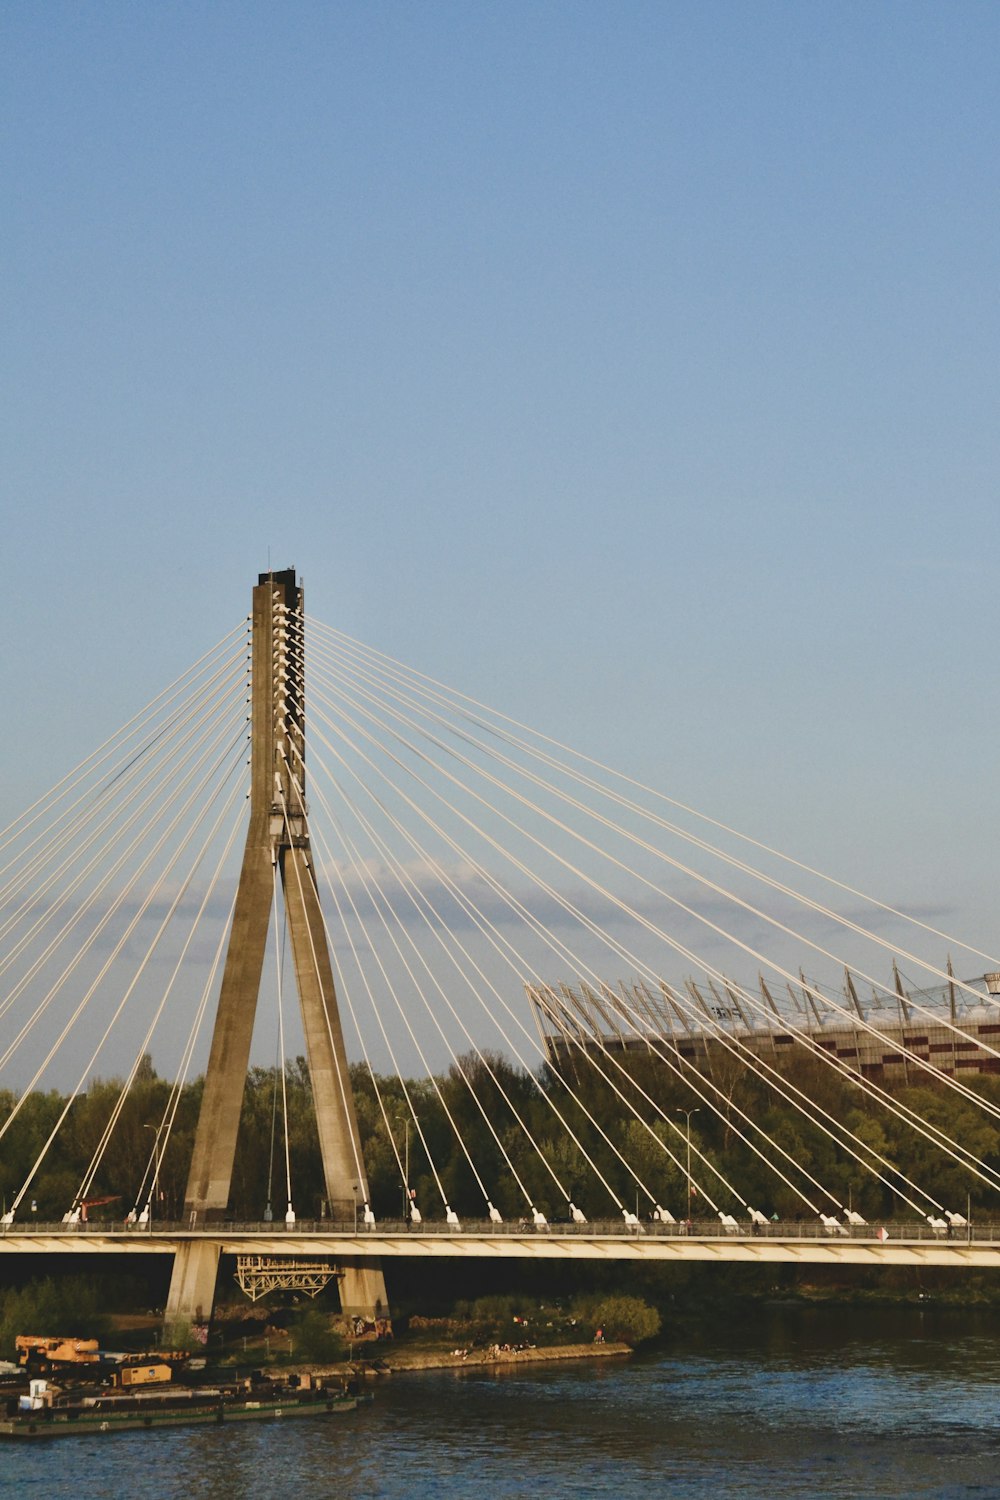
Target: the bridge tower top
pixel 277 782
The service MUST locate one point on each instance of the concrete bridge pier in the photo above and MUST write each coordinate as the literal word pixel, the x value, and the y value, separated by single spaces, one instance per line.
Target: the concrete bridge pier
pixel 192 1285
pixel 362 1289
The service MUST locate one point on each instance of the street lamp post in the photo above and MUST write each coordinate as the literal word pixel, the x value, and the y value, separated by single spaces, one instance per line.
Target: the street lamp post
pixel 354 1189
pixel 688 1113
pixel 156 1167
pixel 405 1122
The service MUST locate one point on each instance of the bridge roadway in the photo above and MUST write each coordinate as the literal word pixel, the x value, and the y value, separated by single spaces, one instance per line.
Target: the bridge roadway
pixel 893 1244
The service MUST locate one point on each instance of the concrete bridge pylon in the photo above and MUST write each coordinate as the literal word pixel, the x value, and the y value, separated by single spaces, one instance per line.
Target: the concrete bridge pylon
pixel 277 849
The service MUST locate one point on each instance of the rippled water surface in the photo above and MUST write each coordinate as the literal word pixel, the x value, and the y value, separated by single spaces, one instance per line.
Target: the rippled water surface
pixel 788 1403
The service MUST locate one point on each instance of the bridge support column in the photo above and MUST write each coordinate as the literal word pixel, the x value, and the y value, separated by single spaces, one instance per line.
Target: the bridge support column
pixel 362 1289
pixel 192 1285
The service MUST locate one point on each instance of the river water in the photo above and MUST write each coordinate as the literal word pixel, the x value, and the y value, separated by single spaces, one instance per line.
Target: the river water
pixel 788 1402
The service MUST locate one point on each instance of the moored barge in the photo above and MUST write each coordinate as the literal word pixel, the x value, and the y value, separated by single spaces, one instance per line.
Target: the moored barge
pixel 47 1411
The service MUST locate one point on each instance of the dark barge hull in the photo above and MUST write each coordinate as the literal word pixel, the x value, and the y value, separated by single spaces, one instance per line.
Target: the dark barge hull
pixel 70 1422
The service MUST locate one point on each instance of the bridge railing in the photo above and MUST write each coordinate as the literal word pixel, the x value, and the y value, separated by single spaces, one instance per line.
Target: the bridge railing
pixel 708 1229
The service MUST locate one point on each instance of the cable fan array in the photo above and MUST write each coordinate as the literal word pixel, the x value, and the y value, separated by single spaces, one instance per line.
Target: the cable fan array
pixel 464 862
pixel 110 888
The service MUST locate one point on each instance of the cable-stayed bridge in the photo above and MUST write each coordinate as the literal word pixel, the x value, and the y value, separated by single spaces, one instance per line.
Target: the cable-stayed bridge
pixel 453 890
pixel 974 1247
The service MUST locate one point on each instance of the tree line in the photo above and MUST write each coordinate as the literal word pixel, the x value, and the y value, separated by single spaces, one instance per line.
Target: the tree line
pixel 467 1126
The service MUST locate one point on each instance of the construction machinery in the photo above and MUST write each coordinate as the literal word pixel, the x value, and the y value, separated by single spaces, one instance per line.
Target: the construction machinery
pixel 68 1357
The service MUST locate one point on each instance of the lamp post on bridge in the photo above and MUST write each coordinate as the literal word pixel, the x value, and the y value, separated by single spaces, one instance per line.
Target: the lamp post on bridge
pixel 405 1123
pixel 689 1113
pixel 157 1158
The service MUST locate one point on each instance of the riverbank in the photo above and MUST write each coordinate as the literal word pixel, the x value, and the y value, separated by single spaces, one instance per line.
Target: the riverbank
pixel 402 1360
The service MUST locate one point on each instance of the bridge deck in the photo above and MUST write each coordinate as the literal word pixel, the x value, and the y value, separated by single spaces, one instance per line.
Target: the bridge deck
pixel 976 1247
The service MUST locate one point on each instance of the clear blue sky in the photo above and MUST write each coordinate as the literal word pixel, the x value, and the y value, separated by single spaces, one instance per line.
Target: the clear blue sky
pixel 632 366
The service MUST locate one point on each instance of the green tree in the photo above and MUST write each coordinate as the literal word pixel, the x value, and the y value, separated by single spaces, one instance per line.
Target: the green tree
pixel 621 1319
